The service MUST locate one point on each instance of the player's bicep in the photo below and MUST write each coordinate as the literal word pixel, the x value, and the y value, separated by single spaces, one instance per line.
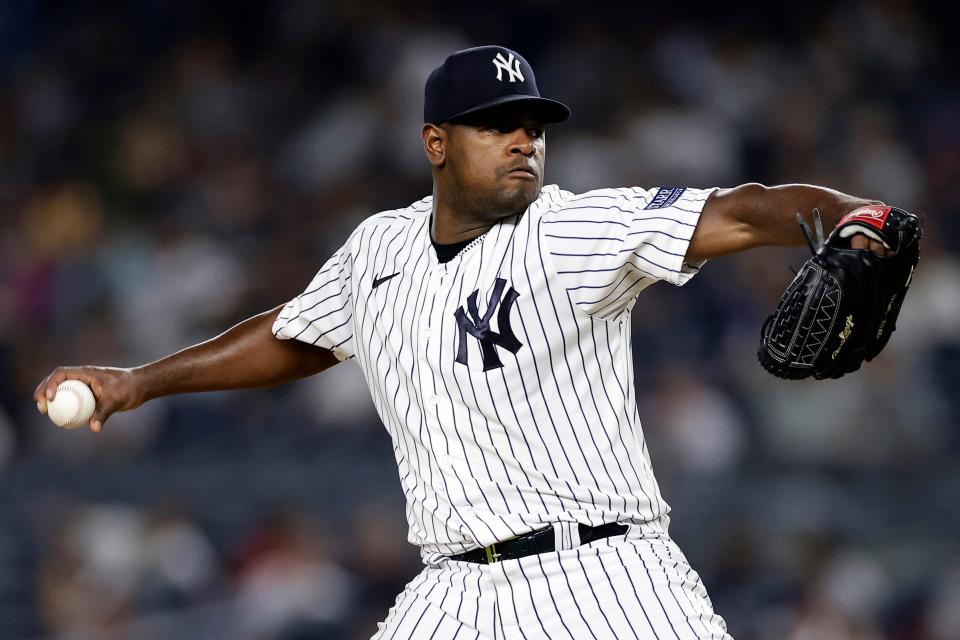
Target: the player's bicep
pixel 724 225
pixel 609 245
pixel 661 232
pixel 584 241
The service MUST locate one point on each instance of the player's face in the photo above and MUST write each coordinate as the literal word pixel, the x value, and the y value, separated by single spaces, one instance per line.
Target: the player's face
pixel 495 160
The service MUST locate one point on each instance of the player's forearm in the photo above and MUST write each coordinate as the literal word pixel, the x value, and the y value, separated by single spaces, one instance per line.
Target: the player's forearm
pixel 771 211
pixel 245 357
pixel 753 215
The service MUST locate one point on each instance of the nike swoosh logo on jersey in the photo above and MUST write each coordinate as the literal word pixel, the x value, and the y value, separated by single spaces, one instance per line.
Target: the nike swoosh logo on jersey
pixel 379 281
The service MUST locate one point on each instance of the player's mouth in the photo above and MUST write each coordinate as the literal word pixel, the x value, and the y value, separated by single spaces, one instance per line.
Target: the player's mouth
pixel 523 172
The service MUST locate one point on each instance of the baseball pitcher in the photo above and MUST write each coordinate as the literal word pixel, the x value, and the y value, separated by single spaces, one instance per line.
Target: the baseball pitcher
pixel 491 321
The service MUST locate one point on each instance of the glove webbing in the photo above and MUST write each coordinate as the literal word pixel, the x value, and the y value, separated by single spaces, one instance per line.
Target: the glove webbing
pixel 808 234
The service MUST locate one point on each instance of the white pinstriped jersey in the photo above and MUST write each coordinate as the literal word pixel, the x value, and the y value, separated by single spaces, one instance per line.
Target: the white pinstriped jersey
pixel 505 376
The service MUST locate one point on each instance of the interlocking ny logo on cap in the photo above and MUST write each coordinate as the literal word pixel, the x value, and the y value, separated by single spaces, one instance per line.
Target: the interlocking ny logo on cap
pixel 510 64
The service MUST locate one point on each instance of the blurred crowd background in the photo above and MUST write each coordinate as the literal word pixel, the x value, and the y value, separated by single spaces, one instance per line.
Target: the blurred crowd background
pixel 169 168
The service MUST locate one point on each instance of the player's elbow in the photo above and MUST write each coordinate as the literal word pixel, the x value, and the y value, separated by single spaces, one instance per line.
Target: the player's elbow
pixel 729 222
pixel 744 204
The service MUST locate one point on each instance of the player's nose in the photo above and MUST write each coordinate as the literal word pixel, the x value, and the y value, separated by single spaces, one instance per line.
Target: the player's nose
pixel 522 142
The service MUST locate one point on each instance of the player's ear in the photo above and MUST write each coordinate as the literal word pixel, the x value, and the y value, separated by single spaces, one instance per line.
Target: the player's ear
pixel 434 143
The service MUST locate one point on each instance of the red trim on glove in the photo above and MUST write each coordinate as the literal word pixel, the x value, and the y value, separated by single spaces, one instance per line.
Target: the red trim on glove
pixel 873 215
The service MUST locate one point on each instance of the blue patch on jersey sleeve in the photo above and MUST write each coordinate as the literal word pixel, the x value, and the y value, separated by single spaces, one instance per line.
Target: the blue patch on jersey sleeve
pixel 665 197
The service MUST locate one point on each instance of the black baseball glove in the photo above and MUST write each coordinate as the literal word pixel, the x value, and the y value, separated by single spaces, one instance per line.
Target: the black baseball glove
pixel 842 306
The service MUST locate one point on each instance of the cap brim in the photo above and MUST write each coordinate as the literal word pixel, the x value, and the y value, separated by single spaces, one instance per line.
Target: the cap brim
pixel 547 110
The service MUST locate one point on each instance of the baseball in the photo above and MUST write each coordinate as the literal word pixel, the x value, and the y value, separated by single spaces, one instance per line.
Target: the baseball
pixel 72 406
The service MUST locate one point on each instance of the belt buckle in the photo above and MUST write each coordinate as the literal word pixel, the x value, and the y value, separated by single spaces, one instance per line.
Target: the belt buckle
pixel 492 555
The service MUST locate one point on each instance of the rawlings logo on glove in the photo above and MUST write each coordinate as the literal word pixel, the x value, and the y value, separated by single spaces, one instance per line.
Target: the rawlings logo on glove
pixel 842 306
pixel 873 215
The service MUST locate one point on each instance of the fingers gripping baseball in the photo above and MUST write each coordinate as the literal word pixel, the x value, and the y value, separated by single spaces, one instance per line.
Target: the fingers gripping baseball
pixel 114 390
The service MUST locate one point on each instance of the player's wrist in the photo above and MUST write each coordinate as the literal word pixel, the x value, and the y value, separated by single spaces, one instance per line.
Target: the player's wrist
pixel 143 384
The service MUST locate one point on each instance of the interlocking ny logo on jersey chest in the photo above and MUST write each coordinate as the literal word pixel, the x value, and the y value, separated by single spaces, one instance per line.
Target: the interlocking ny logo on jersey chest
pixel 470 322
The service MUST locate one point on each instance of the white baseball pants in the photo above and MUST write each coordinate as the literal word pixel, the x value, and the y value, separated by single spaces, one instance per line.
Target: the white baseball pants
pixel 636 586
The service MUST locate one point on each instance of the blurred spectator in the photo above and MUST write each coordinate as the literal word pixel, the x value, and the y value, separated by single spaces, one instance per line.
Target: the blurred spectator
pixel 186 286
pixel 693 426
pixel 342 403
pixel 7 439
pixel 287 580
pixel 90 580
pixel 181 565
pixel 943 614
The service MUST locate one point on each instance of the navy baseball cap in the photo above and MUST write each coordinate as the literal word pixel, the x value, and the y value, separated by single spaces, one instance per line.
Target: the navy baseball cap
pixel 476 79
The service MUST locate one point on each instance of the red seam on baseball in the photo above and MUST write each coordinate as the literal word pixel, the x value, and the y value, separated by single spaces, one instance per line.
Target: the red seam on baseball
pixel 73 389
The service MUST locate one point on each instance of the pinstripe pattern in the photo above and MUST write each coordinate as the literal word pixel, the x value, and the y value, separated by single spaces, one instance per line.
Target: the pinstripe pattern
pixel 544 432
pixel 553 434
pixel 633 587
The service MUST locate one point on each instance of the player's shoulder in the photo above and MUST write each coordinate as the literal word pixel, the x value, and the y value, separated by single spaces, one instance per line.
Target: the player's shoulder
pixel 403 216
pixel 553 196
pixel 412 214
pixel 554 200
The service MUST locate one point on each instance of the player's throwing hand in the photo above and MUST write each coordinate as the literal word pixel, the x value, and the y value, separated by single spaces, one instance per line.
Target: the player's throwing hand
pixel 114 389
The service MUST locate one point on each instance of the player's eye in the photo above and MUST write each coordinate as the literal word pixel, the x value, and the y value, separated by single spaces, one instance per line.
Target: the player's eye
pixel 535 132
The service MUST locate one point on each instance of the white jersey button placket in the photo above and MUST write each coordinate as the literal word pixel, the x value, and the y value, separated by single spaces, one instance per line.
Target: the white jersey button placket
pixel 427 382
pixel 437 408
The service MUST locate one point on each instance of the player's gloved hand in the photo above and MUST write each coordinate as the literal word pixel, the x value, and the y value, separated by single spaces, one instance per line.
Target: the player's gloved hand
pixel 115 390
pixel 842 306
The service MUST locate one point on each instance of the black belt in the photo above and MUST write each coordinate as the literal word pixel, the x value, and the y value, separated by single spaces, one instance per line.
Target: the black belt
pixel 539 541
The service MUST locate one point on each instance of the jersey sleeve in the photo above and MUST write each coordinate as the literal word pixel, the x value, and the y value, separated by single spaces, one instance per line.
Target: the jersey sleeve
pixel 323 314
pixel 608 245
